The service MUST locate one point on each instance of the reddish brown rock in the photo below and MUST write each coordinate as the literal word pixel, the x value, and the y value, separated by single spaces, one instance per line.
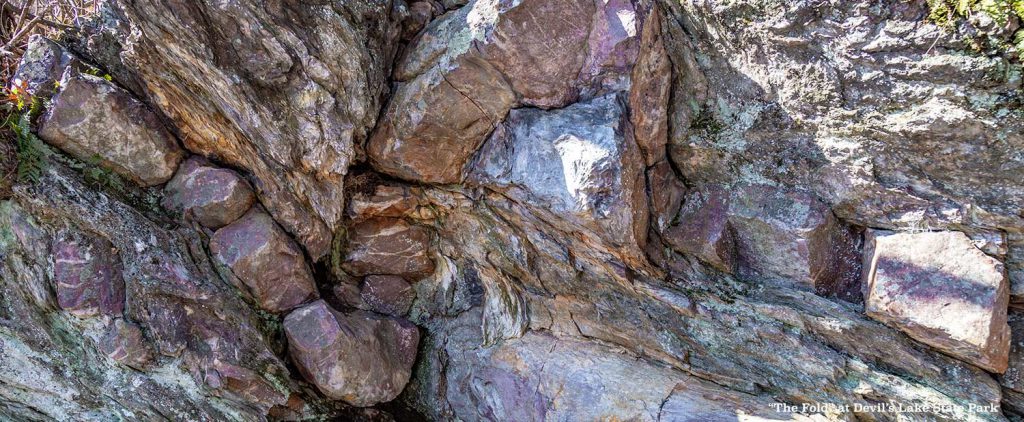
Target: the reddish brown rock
pixel 124 343
pixel 388 246
pixel 703 230
pixel 360 358
pixel 212 196
pixel 91 117
pixel 941 290
pixel 790 237
pixel 666 191
pixel 87 275
pixel 266 260
pixel 387 294
pixel 386 201
pixel 649 95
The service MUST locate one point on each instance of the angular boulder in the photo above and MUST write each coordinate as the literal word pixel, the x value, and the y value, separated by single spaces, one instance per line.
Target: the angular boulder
pixel 702 230
pixel 360 358
pixel 87 275
pixel 790 237
pixel 941 290
pixel 388 246
pixel 211 195
pixel 579 162
pixel 468 68
pixel 387 294
pixel 42 66
pixel 92 118
pixel 266 260
pixel 124 343
pixel 386 201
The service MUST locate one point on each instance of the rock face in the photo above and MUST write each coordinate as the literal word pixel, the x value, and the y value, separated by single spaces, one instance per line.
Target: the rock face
pixel 360 358
pixel 281 91
pixel 87 275
pixel 266 260
pixel 212 196
pixel 941 290
pixel 42 66
pixel 652 210
pixel 388 246
pixel 92 118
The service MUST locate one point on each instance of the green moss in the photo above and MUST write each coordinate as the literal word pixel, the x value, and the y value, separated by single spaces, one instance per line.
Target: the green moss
pixel 705 123
pixel 949 13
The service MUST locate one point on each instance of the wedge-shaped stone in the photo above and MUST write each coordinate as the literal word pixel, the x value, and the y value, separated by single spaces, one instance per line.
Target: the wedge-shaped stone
pixel 360 358
pixel 266 260
pixel 92 118
pixel 388 246
pixel 941 290
pixel 87 275
pixel 211 195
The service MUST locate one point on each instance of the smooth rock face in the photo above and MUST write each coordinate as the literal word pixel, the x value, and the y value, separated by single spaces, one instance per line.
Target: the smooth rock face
pixel 87 275
pixel 360 358
pixel 125 343
pixel 579 162
pixel 91 117
pixel 269 262
pixel 941 290
pixel 385 294
pixel 42 66
pixel 791 237
pixel 281 91
pixel 212 196
pixel 388 246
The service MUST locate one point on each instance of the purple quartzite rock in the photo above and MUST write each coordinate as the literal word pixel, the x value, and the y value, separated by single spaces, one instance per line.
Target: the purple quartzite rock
pixel 361 358
pixel 91 117
pixel 941 290
pixel 388 246
pixel 387 294
pixel 263 257
pixel 87 275
pixel 212 196
pixel 124 343
pixel 791 237
pixel 703 230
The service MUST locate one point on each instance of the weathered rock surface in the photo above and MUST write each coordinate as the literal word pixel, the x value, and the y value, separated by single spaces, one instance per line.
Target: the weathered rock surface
pixel 703 230
pixel 42 67
pixel 266 260
pixel 386 201
pixel 387 246
pixel 359 357
pixel 792 237
pixel 212 196
pixel 579 162
pixel 471 66
pixel 389 295
pixel 87 275
pixel 92 118
pixel 281 91
pixel 941 290
pixel 125 343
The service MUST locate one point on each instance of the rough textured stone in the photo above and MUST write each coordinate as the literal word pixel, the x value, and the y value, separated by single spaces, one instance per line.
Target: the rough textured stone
pixel 792 237
pixel 386 201
pixel 703 230
pixel 1013 378
pixel 470 66
pixel 389 295
pixel 360 358
pixel 283 91
pixel 87 275
pixel 388 246
pixel 42 66
pixel 266 260
pixel 941 290
pixel 651 90
pixel 212 196
pixel 91 117
pixel 125 343
pixel 666 194
pixel 579 162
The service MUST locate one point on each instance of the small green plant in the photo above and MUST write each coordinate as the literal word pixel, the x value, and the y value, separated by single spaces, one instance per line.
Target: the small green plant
pixel 31 152
pixel 100 177
pixel 705 123
pixel 947 14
